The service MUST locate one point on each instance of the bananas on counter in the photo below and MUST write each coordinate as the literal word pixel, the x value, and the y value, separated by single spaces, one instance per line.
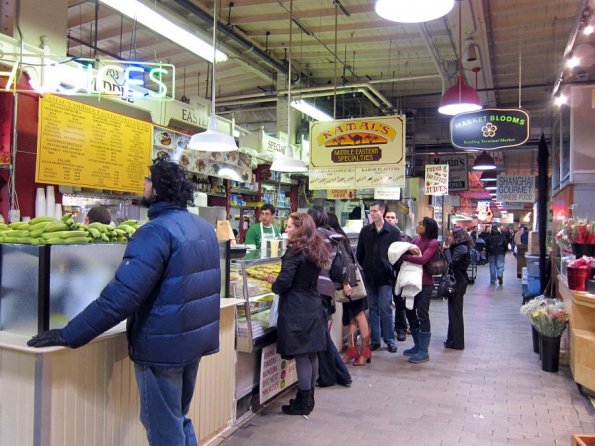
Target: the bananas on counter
pixel 64 231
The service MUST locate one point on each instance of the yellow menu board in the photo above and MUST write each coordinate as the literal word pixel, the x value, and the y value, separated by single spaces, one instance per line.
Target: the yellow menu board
pixel 80 145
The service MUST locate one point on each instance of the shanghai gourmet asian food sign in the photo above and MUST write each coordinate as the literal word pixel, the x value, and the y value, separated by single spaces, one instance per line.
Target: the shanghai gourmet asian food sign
pixel 369 152
pixel 490 129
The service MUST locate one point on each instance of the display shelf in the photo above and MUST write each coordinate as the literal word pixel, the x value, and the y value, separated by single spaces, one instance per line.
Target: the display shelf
pixel 248 282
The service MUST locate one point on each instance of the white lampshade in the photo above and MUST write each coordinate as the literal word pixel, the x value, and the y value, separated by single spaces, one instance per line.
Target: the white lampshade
pixel 212 140
pixel 406 11
pixel 288 164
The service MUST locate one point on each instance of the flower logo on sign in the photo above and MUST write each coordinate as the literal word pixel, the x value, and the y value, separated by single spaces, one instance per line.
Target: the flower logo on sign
pixel 489 130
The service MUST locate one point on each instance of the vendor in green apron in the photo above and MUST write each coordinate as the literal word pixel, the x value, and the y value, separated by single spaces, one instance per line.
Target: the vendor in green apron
pixel 263 230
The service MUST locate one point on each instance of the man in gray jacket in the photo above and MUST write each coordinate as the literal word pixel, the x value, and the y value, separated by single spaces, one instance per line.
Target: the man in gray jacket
pixel 168 287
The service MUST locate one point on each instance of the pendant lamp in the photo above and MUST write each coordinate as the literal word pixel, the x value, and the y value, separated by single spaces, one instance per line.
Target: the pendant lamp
pixel 288 163
pixel 212 140
pixel 484 162
pixel 488 176
pixel 461 97
pixel 406 11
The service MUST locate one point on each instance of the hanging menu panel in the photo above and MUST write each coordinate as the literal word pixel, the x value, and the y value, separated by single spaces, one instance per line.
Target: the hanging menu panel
pixel 79 145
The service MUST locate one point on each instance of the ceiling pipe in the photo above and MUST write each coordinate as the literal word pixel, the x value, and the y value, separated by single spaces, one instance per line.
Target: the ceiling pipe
pixel 433 51
pixel 223 29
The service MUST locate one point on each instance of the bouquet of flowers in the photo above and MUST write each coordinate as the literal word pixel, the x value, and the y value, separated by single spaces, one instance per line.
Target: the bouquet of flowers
pixel 577 231
pixel 547 316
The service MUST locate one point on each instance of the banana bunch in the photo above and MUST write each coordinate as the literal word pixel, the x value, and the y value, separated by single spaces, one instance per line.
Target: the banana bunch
pixel 64 231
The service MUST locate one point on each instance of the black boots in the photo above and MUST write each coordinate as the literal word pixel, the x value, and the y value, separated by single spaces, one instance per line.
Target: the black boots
pixel 301 405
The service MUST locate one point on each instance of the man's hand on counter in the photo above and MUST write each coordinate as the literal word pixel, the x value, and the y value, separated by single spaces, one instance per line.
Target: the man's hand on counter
pixel 47 339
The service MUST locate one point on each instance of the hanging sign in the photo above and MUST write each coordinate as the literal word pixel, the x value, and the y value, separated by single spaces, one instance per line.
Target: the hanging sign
pixel 373 148
pixel 484 212
pixel 340 194
pixel 490 129
pixel 517 205
pixel 436 180
pixel 519 188
pixel 387 193
pixel 458 174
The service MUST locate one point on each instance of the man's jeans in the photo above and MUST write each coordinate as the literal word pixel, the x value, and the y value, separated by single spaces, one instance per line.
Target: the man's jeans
pixel 380 299
pixel 496 266
pixel 165 395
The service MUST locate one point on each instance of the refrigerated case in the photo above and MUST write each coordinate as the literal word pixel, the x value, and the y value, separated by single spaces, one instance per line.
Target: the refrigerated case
pixel 44 286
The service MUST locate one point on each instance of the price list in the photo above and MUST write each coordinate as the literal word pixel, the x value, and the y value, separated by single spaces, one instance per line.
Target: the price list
pixel 80 145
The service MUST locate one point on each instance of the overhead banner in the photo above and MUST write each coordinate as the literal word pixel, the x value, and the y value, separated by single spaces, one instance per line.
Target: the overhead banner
pixel 516 188
pixel 490 129
pixel 436 180
pixel 372 148
pixel 458 165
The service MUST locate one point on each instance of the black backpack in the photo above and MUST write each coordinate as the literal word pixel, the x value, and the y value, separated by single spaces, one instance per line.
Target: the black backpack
pixel 338 270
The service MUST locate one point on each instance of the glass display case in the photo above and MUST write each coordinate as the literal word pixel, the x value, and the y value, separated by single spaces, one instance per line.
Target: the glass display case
pixel 248 282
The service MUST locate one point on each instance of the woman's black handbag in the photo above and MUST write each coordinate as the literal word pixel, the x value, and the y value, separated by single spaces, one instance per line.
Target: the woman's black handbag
pixel 438 265
pixel 448 284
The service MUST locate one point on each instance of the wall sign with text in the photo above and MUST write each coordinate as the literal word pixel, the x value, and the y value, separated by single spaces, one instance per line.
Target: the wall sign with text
pixel 436 179
pixel 490 129
pixel 516 188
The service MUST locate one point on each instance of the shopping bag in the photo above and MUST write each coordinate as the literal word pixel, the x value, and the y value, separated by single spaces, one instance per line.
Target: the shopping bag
pixel 274 312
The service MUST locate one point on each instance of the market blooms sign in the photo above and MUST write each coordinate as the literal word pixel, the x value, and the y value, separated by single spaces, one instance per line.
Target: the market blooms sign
pixel 516 188
pixel 490 129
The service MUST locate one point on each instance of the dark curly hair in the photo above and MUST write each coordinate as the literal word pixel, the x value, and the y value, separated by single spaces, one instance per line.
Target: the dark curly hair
pixel 99 214
pixel 171 183
pixel 306 239
pixel 431 228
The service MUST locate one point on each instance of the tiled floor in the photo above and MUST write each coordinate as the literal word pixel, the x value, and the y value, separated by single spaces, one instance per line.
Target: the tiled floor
pixel 492 393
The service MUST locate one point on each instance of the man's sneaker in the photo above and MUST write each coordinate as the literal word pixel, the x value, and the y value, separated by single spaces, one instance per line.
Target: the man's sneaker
pixel 500 280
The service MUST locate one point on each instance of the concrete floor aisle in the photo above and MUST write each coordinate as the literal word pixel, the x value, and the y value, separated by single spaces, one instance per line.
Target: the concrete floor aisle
pixel 492 393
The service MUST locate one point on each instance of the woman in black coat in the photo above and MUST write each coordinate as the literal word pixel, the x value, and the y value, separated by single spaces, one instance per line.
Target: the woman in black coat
pixel 458 254
pixel 301 326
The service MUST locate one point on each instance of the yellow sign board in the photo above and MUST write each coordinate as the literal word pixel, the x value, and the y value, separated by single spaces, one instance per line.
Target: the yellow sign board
pixel 79 145
pixel 358 142
pixel 340 194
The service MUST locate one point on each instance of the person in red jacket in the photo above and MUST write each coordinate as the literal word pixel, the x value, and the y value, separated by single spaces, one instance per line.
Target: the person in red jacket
pixel 419 316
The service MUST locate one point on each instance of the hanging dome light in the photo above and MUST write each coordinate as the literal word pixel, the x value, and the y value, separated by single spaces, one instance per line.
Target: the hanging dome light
pixel 405 11
pixel 488 176
pixel 459 99
pixel 484 162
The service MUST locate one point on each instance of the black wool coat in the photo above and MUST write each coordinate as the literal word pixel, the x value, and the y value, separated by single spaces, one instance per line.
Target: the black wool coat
pixel 301 325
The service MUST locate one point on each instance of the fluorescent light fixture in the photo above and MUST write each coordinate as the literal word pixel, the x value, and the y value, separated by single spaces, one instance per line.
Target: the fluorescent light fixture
pixel 588 30
pixel 161 25
pixel 491 187
pixel 310 110
pixel 406 11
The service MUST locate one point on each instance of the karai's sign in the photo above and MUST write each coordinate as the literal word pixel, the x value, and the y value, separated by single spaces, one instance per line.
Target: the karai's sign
pixel 490 129
pixel 93 77
pixel 371 149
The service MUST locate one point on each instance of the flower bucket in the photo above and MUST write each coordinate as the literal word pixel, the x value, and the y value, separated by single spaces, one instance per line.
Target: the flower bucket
pixel 577 278
pixel 583 249
pixel 535 336
pixel 550 353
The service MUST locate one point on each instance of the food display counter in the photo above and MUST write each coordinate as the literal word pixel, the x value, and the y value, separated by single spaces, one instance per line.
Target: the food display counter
pixel 581 309
pixel 248 283
pixel 88 396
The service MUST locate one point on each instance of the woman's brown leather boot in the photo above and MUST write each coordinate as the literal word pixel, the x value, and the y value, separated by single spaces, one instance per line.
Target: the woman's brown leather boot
pixel 366 354
pixel 351 354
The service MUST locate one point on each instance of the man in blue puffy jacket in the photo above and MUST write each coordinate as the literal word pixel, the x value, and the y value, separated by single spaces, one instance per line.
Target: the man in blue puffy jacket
pixel 167 286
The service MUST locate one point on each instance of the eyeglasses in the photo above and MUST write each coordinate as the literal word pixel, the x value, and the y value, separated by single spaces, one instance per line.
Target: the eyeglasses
pixel 148 179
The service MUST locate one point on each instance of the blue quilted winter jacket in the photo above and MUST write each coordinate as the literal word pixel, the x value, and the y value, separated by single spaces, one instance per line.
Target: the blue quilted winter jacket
pixel 167 286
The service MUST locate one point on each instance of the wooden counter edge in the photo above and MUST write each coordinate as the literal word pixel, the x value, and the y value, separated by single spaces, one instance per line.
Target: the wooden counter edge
pixel 18 342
